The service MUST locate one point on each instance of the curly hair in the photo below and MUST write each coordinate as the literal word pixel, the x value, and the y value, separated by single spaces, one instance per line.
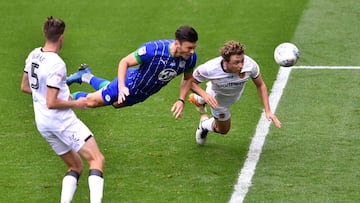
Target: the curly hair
pixel 231 48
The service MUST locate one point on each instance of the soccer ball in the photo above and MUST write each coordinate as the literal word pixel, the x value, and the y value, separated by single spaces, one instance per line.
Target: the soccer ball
pixel 286 54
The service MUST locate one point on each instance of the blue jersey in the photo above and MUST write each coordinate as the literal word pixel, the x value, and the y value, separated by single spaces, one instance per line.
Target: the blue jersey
pixel 157 67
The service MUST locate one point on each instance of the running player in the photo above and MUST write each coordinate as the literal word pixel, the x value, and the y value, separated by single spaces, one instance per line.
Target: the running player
pixel 226 76
pixel 144 72
pixel 44 78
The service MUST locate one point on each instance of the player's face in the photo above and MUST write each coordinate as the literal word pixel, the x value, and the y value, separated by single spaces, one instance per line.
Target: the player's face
pixel 235 64
pixel 185 49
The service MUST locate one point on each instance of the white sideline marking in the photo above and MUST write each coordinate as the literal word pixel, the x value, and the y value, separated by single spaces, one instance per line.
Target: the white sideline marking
pixel 325 67
pixel 244 180
pixel 257 142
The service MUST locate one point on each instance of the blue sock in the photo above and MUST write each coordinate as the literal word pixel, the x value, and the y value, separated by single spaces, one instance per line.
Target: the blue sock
pixel 98 83
pixel 77 95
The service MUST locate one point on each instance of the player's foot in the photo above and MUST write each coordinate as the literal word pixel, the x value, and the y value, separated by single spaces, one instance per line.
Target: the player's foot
pixel 201 108
pixel 201 134
pixel 76 77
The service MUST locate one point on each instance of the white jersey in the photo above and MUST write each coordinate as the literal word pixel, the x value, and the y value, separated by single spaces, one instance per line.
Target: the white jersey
pixel 226 87
pixel 48 69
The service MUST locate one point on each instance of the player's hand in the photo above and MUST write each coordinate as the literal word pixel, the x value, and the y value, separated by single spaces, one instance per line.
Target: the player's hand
pixel 123 92
pixel 81 103
pixel 274 119
pixel 210 100
pixel 177 109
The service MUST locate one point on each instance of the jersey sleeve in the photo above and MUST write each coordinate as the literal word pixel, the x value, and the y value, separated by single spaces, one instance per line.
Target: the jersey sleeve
pixel 139 53
pixel 255 71
pixel 200 74
pixel 56 77
pixel 27 67
pixel 144 53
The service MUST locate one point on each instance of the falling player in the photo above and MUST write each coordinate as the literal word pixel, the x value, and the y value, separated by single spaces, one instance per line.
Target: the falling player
pixel 226 76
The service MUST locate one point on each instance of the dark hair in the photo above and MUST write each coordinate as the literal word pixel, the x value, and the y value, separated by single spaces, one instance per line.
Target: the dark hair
pixel 53 28
pixel 231 48
pixel 186 33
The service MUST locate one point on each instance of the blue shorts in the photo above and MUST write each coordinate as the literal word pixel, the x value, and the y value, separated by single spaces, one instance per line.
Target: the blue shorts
pixel 110 92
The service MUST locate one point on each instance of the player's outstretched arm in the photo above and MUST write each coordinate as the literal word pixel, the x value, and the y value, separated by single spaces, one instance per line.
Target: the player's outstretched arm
pixel 263 94
pixel 124 64
pixel 185 85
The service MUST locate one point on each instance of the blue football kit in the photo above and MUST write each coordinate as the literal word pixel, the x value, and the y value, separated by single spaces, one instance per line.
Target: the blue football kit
pixel 156 68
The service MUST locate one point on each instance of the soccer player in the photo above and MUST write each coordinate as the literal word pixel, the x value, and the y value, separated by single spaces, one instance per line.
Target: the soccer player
pixel 226 76
pixel 44 78
pixel 144 72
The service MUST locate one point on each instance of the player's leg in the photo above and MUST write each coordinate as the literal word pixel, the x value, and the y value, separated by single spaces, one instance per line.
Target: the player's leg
pixel 94 99
pixel 221 120
pixel 205 124
pixel 61 144
pixel 219 123
pixel 71 178
pixel 221 126
pixel 91 152
pixel 83 142
pixel 199 103
pixel 84 75
pixel 202 132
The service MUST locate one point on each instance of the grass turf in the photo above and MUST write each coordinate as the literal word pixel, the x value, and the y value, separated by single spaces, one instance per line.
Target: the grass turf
pixel 149 156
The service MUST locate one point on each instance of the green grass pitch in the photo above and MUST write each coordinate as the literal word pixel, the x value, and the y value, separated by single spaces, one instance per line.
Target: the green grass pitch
pixel 150 157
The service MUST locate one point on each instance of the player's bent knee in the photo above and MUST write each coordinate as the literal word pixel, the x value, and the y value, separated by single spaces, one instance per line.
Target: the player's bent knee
pixel 97 161
pixel 222 131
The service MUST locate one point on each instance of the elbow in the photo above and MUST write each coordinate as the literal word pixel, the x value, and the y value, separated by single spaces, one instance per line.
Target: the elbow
pixel 50 105
pixel 25 89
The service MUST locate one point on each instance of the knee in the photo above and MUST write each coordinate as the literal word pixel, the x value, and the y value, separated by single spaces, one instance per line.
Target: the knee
pixel 78 168
pixel 93 101
pixel 222 131
pixel 99 159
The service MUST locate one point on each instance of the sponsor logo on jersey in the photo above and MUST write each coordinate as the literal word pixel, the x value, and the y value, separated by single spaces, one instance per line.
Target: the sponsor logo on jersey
pixel 142 51
pixel 167 75
pixel 230 84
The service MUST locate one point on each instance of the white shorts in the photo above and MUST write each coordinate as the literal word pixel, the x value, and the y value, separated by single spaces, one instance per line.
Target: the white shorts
pixel 74 137
pixel 222 113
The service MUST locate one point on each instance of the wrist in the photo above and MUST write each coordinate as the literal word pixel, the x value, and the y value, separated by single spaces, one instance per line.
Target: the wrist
pixel 181 100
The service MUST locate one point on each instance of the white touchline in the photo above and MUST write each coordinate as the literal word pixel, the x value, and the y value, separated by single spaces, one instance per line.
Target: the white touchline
pixel 325 67
pixel 262 129
pixel 257 142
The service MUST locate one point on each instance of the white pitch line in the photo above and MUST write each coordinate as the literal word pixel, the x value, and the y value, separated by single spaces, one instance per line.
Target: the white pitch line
pixel 244 181
pixel 257 142
pixel 325 67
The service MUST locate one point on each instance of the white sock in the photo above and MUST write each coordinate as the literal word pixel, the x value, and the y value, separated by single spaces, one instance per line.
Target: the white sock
pixel 199 99
pixel 86 77
pixel 96 186
pixel 208 124
pixel 69 184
